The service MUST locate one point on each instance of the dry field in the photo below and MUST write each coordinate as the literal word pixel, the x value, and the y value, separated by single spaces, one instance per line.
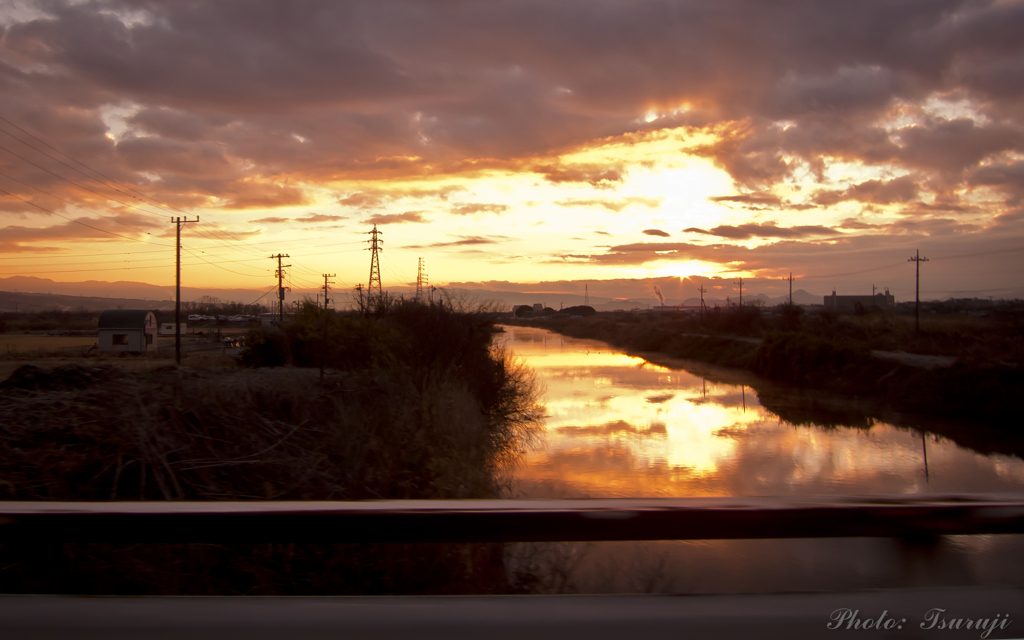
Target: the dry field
pixel 28 343
pixel 54 351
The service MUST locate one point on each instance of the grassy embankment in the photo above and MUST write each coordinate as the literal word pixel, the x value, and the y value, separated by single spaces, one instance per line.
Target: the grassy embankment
pixel 834 354
pixel 414 404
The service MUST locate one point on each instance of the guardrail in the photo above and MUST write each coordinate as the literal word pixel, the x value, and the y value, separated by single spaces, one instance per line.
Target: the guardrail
pixel 514 520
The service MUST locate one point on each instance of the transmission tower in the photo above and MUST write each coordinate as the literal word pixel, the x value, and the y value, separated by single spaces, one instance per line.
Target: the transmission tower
pixel 916 258
pixel 376 244
pixel 280 284
pixel 586 295
pixel 421 281
pixel 326 286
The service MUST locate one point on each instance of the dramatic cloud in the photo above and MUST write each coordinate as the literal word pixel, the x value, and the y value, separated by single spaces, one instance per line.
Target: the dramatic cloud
pixel 763 230
pixel 372 198
pixel 612 204
pixel 594 175
pixel 845 121
pixel 465 241
pixel 750 198
pixel 901 189
pixel 396 218
pixel 311 218
pixel 472 208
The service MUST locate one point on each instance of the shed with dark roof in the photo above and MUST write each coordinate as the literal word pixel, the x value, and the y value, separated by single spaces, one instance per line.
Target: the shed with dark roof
pixel 127 330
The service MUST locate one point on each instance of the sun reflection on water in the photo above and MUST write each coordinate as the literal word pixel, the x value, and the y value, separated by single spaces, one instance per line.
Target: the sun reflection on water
pixel 618 426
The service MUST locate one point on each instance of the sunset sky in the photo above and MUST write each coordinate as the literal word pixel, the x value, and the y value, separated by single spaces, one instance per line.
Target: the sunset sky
pixel 518 145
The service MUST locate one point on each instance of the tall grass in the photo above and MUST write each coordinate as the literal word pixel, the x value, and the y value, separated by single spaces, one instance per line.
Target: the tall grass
pixel 416 405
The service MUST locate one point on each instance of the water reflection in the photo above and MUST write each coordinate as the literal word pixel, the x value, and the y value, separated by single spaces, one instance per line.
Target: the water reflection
pixel 621 427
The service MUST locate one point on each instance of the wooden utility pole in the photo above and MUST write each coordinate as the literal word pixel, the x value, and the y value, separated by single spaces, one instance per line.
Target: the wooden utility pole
pixel 916 258
pixel 359 289
pixel 702 307
pixel 280 285
pixel 791 288
pixel 741 290
pixel 326 285
pixel 178 221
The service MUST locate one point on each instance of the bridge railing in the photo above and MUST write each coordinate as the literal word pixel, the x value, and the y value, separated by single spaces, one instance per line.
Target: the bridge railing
pixel 418 521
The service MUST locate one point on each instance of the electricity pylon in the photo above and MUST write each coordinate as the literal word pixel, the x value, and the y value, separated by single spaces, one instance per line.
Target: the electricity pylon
pixel 376 244
pixel 421 281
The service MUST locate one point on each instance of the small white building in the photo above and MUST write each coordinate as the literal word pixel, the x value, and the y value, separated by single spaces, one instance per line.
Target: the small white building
pixel 167 328
pixel 127 330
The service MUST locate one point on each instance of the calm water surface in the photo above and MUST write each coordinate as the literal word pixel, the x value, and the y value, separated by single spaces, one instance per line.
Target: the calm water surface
pixel 618 426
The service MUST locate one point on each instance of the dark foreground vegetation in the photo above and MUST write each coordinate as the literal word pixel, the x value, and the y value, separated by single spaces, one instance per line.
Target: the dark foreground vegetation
pixel 411 404
pixel 824 351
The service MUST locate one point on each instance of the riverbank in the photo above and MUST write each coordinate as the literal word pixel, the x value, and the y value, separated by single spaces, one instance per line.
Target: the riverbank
pixel 980 384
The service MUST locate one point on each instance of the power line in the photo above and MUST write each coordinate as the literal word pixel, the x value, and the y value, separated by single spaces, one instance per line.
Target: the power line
pixel 109 180
pixel 79 222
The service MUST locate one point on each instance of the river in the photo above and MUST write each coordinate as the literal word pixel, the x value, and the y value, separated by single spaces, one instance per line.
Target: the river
pixel 619 426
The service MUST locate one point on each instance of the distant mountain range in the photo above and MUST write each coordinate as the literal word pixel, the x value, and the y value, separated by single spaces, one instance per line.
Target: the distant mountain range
pixel 28 293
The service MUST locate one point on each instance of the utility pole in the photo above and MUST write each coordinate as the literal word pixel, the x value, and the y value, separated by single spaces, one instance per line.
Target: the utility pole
pixel 359 289
pixel 916 258
pixel 791 288
pixel 376 244
pixel 702 307
pixel 280 285
pixel 741 290
pixel 326 285
pixel 421 281
pixel 178 221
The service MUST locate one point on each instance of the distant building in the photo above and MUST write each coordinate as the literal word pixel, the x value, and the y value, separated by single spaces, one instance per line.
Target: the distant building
pixel 538 307
pixel 852 304
pixel 127 330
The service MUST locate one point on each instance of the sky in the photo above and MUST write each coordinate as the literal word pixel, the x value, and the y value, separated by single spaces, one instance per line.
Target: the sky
pixel 518 145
